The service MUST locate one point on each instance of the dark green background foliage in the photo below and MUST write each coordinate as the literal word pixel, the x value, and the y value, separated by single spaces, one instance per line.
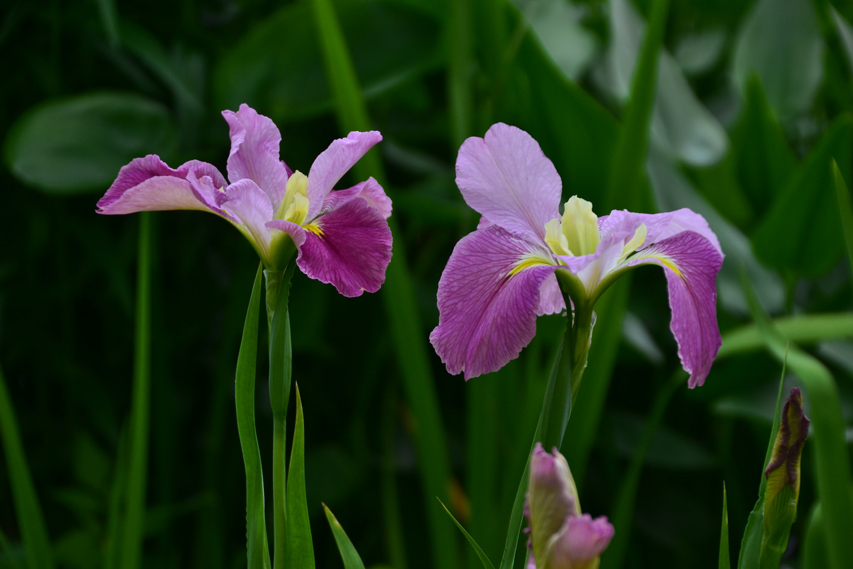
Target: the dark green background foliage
pixel 752 103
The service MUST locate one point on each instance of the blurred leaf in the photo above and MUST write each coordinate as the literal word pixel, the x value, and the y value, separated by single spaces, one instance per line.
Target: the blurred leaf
pixel 300 550
pixel 556 24
pixel 815 554
pixel 750 546
pixel 278 65
pixel 845 210
pixel 13 556
pixel 27 507
pixel 681 125
pixel 781 42
pixel 698 52
pixel 832 462
pixel 348 553
pixel 806 329
pixel 109 19
pixel 256 531
pixel 483 558
pixel 845 31
pixel 801 232
pixel 765 162
pixel 725 561
pixel 666 449
pixel 459 66
pixel 79 144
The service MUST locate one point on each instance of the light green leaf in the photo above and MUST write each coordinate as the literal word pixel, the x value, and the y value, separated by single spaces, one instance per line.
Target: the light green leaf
pixel 781 42
pixel 79 144
pixel 725 560
pixel 805 329
pixel 30 519
pixel 348 553
pixel 557 26
pixel 299 551
pixel 814 545
pixel 480 553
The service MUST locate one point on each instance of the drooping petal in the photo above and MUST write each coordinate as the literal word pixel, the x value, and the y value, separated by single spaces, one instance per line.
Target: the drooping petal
pixel 149 184
pixel 486 316
pixel 333 163
pixel 245 201
pixel 551 300
pixel 580 541
pixel 691 263
pixel 254 152
pixel 369 190
pixel 348 247
pixel 506 178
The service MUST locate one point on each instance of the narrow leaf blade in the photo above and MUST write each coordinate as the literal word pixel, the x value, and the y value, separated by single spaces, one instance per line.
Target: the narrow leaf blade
pixel 300 551
pixel 480 553
pixel 845 209
pixel 725 560
pixel 348 553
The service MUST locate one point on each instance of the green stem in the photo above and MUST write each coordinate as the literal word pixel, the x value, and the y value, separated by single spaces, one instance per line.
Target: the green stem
pixel 281 360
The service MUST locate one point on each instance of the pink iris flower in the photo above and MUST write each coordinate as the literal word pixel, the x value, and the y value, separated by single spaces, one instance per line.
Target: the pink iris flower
pixel 340 237
pixel 504 274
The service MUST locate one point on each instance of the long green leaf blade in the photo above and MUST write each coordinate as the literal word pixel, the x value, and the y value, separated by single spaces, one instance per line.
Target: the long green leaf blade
pixel 399 297
pixel 725 560
pixel 134 520
pixel 348 553
pixel 805 329
pixel 831 456
pixel 477 549
pixel 30 519
pixel 300 551
pixel 845 209
pixel 244 395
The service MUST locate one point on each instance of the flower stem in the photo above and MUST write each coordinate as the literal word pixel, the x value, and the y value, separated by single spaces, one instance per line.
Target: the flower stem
pixel 281 359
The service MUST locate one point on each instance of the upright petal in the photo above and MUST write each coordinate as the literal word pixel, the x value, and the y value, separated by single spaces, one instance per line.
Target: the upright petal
pixel 246 202
pixel 370 190
pixel 691 263
pixel 254 152
pixel 348 247
pixel 331 165
pixel 487 316
pixel 581 540
pixel 508 180
pixel 148 184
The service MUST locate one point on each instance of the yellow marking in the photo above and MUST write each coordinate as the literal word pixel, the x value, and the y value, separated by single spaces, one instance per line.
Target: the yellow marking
pixel 669 264
pixel 530 260
pixel 313 228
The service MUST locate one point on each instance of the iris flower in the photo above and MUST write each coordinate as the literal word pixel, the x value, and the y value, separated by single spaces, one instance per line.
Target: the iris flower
pixel 504 274
pixel 340 237
pixel 560 536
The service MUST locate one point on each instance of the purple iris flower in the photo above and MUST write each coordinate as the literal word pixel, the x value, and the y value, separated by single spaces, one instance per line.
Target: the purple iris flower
pixel 341 237
pixel 504 274
pixel 560 536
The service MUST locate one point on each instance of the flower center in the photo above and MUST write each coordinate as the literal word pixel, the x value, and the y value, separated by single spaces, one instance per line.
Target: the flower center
pixel 294 205
pixel 576 233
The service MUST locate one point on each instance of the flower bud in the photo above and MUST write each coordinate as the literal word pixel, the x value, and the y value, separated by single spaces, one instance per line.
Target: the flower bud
pixel 560 537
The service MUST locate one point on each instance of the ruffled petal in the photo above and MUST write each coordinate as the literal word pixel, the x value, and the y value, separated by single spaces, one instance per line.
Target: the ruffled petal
pixel 486 316
pixel 247 203
pixel 254 152
pixel 691 263
pixel 506 178
pixel 348 247
pixel 659 226
pixel 149 184
pixel 581 540
pixel 331 165
pixel 369 190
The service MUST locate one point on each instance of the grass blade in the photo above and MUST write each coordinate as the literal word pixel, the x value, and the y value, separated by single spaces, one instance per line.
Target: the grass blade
pixel 831 456
pixel 30 518
pixel 300 551
pixel 845 209
pixel 134 520
pixel 629 156
pixel 480 553
pixel 349 555
pixel 725 559
pixel 244 395
pixel 398 295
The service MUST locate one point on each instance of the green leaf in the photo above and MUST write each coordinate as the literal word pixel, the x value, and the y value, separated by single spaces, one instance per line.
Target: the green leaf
pixel 114 512
pixel 805 329
pixel 480 553
pixel 781 42
pixel 725 561
pixel 833 473
pixel 77 145
pixel 814 545
pixel 459 68
pixel 750 546
pixel 30 519
pixel 278 65
pixel 299 551
pixel 557 25
pixel 137 470
pixel 845 210
pixel 244 395
pixel 349 555
pixel 676 119
pixel 802 232
pixel 398 295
